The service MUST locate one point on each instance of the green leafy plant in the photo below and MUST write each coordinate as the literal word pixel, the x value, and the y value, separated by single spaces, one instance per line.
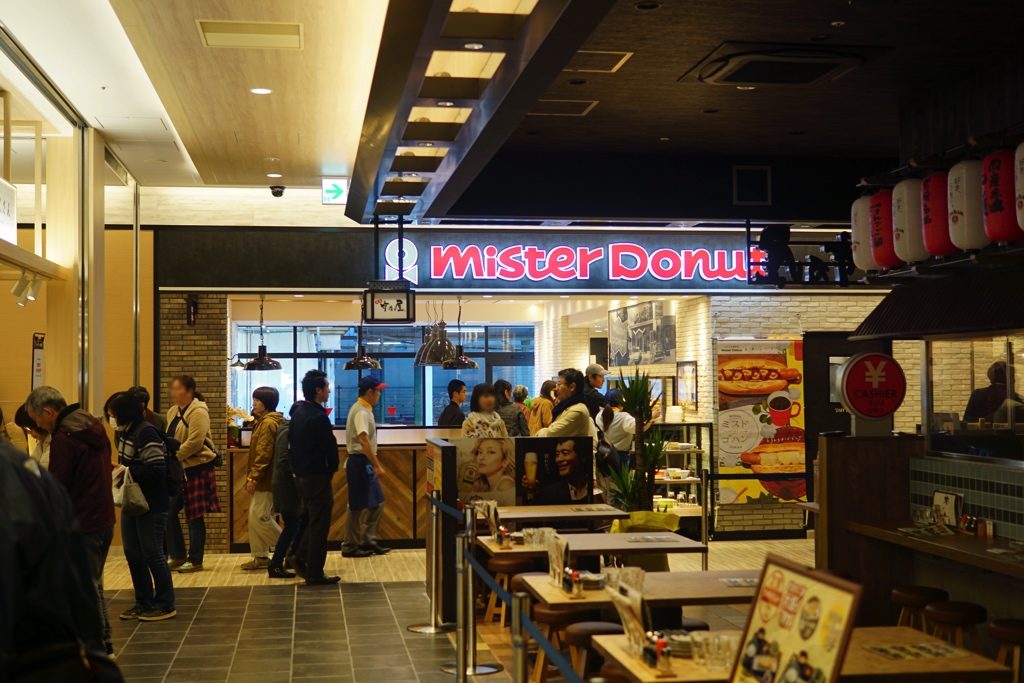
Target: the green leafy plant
pixel 638 402
pixel 625 483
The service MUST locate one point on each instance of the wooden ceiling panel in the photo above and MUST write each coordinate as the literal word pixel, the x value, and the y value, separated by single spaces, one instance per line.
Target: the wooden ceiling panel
pixel 310 123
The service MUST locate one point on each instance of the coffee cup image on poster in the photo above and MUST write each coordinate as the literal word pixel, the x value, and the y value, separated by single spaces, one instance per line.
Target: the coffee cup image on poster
pixel 761 420
pixel 525 471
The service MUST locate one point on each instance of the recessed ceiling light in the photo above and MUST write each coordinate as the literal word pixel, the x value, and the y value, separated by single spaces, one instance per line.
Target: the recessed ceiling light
pixel 633 298
pixel 273 175
pixel 488 296
pixel 271 159
pixel 260 91
pixel 563 296
pixel 647 5
pixel 746 87
pixel 664 139
pixel 299 296
pixel 425 144
pixel 839 23
pixel 445 103
pixel 473 46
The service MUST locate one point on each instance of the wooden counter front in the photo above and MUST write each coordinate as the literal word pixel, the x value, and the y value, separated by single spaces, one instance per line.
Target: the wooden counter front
pixel 406 516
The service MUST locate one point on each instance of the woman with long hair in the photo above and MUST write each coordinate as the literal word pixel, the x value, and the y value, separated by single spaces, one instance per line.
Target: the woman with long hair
pixel 495 462
pixel 542 407
pixel 484 420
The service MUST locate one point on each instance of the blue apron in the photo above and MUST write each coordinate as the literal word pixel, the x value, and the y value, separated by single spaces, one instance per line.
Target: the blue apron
pixel 363 486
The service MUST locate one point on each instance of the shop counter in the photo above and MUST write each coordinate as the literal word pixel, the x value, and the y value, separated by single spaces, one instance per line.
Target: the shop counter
pixel 406 517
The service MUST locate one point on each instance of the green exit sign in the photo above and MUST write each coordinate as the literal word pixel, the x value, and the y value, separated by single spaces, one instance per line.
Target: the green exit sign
pixel 333 190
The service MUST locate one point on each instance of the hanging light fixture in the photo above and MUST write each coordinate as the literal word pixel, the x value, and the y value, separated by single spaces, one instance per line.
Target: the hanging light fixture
pixel 437 348
pixel 362 360
pixel 237 364
pixel 461 361
pixel 262 361
pixel 33 290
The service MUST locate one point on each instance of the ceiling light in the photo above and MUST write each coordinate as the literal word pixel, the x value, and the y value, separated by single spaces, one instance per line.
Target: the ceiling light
pixel 488 296
pixel 563 296
pixel 362 361
pixel 474 46
pixel 33 290
pixel 633 298
pixel 260 91
pixel 299 296
pixel 23 299
pixel 273 175
pixel 664 139
pixel 262 361
pixel 21 285
pixel 238 363
pixel 445 103
pixel 838 23
pixel 425 144
pixel 746 87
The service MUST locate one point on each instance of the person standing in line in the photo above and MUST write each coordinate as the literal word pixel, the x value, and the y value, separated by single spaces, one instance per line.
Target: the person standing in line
pixel 618 426
pixel 515 420
pixel 543 404
pixel 289 506
pixel 483 421
pixel 189 422
pixel 263 528
pixel 592 395
pixel 313 453
pixel 571 416
pixel 141 393
pixel 80 460
pixel 520 396
pixel 40 450
pixel 452 415
pixel 142 449
pixel 363 471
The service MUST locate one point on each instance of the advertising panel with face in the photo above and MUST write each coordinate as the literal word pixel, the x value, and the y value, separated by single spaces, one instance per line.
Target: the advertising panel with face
pixel 554 471
pixel 486 470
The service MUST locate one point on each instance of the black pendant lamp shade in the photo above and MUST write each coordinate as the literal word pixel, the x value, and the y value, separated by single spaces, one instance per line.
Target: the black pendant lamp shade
pixel 362 361
pixel 460 362
pixel 262 361
pixel 440 348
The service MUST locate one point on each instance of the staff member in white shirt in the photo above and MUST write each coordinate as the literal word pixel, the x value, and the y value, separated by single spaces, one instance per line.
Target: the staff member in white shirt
pixel 618 426
pixel 363 470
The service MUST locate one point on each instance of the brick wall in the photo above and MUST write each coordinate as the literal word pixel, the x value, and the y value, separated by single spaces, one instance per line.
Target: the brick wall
pixel 759 517
pixel 200 351
pixel 558 346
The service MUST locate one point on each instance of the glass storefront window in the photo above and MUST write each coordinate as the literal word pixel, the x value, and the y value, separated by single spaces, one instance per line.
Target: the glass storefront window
pixel 278 338
pixel 510 339
pixel 436 380
pixel 315 339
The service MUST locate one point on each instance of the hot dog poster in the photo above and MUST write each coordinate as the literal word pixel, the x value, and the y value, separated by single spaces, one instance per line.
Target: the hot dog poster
pixel 761 420
pixel 798 627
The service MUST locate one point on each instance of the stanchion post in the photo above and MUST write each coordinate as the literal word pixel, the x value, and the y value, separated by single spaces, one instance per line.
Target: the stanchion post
pixel 704 518
pixel 435 626
pixel 520 668
pixel 470 604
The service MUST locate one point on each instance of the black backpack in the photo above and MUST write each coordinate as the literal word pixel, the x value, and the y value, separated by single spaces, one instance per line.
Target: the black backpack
pixel 175 472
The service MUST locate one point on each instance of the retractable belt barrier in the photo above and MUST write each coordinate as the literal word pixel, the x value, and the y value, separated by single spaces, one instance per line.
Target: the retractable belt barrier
pixel 436 625
pixel 435 500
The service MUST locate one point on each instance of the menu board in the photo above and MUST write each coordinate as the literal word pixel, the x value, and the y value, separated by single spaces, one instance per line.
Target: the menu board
pixel 761 420
pixel 798 627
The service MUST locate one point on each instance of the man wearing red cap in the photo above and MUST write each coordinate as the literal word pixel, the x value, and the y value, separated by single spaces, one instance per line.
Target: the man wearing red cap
pixel 363 470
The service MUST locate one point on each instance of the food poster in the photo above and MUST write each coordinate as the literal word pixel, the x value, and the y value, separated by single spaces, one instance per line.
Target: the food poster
pixel 798 627
pixel 761 421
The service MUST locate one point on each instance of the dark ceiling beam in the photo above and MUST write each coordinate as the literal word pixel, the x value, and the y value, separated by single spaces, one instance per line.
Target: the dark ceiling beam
pixel 410 26
pixel 547 41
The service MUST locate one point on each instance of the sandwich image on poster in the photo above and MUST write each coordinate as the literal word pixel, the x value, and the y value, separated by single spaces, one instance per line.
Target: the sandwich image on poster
pixel 761 420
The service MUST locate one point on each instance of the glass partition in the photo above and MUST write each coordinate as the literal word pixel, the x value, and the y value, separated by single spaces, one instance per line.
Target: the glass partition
pixel 973 407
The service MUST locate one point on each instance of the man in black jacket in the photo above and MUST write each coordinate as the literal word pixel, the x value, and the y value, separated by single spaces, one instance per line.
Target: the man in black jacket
pixel 592 395
pixel 313 453
pixel 452 415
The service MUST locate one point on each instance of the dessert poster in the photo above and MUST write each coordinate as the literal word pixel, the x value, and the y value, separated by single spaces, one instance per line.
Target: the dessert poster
pixel 798 628
pixel 761 421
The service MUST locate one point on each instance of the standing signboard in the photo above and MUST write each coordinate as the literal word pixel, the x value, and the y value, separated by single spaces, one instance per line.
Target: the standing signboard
pixel 761 451
pixel 38 359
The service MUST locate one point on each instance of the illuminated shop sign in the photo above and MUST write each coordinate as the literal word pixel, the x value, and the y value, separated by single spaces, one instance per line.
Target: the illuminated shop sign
pixel 572 261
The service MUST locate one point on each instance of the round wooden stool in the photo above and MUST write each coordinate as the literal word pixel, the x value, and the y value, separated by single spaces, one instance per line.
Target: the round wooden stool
pixel 912 601
pixel 578 636
pixel 1010 635
pixel 503 569
pixel 953 621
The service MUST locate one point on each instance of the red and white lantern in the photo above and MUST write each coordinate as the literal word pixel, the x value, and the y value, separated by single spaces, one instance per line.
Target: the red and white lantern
pixel 998 200
pixel 966 229
pixel 907 237
pixel 1018 177
pixel 935 215
pixel 860 234
pixel 882 247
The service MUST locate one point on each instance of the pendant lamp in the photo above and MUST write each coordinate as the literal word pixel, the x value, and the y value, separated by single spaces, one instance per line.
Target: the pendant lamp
pixel 362 361
pixel 440 349
pixel 237 363
pixel 262 361
pixel 460 361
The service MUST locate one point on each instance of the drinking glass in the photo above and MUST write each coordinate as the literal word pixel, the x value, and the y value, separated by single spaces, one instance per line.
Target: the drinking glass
pixel 716 653
pixel 529 537
pixel 698 645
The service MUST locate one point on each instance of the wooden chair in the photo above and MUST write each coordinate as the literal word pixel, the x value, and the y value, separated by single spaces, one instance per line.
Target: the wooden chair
pixel 1009 633
pixel 578 636
pixel 503 569
pixel 954 621
pixel 912 601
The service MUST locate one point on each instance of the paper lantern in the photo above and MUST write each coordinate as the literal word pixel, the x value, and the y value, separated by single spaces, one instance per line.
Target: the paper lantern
pixel 860 237
pixel 907 237
pixel 1018 177
pixel 882 247
pixel 998 201
pixel 964 198
pixel 935 215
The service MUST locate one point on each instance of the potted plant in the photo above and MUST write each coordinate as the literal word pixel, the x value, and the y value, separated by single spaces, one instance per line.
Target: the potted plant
pixel 236 417
pixel 649 446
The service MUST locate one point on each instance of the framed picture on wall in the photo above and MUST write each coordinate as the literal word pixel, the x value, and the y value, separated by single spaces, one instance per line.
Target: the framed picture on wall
pixel 641 334
pixel 686 384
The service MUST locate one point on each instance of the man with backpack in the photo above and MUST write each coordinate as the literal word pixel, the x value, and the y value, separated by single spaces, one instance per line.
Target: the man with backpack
pixel 288 505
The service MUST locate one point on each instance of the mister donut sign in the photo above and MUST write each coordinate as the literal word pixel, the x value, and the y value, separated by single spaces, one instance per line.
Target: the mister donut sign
pixel 872 385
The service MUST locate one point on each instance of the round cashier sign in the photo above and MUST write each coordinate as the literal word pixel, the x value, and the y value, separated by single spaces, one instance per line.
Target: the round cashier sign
pixel 872 385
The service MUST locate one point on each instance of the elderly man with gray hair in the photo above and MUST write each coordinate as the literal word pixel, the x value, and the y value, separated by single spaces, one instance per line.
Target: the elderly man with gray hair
pixel 80 460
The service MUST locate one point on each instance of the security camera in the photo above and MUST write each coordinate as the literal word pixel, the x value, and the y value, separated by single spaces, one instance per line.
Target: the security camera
pixel 277 190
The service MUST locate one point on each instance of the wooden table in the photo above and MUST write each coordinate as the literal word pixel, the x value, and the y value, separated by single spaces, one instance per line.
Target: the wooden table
pixel 538 514
pixel 860 664
pixel 661 589
pixel 605 544
pixel 962 548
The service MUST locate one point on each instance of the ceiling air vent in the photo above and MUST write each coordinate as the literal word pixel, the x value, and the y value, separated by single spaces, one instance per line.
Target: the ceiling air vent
pixel 267 35
pixel 562 107
pixel 597 61
pixel 749 64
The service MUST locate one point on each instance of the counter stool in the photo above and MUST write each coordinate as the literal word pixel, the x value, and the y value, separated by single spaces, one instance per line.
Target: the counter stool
pixel 552 624
pixel 578 635
pixel 1010 635
pixel 503 569
pixel 912 601
pixel 952 621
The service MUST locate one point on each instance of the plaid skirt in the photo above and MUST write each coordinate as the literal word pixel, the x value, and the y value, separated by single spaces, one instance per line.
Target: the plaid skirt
pixel 200 492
